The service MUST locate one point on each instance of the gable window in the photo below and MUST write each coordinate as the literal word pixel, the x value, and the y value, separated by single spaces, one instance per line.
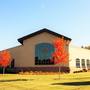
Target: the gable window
pixel 77 63
pixel 43 54
pixel 83 63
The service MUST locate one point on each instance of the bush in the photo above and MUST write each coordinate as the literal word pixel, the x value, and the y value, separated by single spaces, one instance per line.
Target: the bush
pixel 84 70
pixel 78 71
pixel 65 69
pixel 1 70
pixel 9 70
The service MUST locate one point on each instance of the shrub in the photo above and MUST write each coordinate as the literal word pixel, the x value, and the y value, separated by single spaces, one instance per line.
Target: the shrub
pixel 65 70
pixel 78 71
pixel 84 70
pixel 10 70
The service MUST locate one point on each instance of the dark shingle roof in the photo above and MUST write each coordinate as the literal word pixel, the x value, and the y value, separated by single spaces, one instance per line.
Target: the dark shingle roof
pixel 41 31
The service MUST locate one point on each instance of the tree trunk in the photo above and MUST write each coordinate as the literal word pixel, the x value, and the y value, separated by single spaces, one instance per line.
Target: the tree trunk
pixel 59 72
pixel 3 70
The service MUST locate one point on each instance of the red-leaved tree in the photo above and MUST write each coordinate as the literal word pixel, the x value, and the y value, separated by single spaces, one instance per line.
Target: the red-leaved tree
pixel 60 55
pixel 5 59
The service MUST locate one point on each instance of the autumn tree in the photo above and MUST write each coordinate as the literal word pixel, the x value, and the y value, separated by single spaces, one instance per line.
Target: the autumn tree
pixel 60 55
pixel 5 59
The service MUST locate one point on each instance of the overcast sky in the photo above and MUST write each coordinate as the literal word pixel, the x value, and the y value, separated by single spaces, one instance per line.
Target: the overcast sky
pixel 21 17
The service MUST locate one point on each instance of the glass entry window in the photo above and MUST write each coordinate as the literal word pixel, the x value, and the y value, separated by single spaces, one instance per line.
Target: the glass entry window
pixel 83 63
pixel 77 63
pixel 43 54
pixel 88 63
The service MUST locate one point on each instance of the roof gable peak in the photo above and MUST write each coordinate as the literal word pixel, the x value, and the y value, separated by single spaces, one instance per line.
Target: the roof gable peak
pixel 41 31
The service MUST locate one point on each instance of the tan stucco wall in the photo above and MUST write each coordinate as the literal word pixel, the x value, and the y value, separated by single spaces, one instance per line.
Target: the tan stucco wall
pixel 24 55
pixel 77 52
pixel 16 54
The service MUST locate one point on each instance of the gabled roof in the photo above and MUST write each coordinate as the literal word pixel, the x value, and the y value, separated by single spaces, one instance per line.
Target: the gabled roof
pixel 41 31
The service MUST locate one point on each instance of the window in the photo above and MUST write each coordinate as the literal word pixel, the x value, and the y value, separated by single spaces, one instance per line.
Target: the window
pixel 78 63
pixel 43 54
pixel 83 63
pixel 88 63
pixel 11 64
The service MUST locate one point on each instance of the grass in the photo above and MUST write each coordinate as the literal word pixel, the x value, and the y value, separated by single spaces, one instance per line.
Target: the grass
pixel 78 81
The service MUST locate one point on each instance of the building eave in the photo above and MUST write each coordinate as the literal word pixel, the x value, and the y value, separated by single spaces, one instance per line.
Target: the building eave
pixel 41 31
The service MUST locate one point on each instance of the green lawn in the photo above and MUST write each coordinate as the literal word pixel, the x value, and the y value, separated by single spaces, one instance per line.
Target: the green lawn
pixel 78 81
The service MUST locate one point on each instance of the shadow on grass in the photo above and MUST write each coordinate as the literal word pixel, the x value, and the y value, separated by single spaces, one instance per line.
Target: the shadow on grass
pixel 72 78
pixel 13 80
pixel 73 83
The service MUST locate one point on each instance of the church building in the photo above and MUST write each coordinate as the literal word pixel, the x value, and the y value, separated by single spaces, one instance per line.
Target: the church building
pixel 35 53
